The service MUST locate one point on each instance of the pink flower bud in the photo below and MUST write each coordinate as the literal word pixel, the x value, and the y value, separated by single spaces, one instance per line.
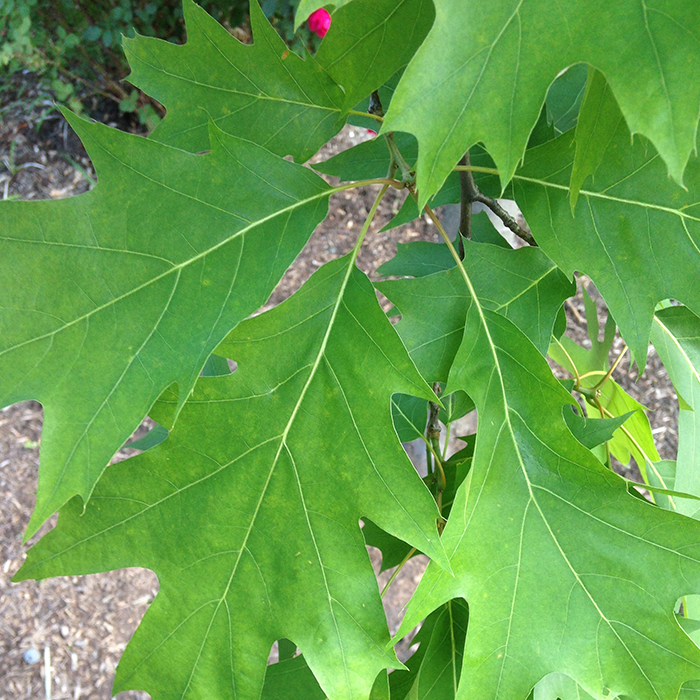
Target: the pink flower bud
pixel 320 22
pixel 372 132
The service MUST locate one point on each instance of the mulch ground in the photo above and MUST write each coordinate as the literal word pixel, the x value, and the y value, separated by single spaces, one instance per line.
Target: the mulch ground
pixel 85 622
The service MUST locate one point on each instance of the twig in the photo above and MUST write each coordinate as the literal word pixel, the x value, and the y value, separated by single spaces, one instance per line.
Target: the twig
pixel 491 203
pixel 505 217
pixel 433 434
pixel 469 192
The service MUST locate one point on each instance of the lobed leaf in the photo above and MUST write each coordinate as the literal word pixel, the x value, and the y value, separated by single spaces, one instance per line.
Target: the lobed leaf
pixel 370 40
pixel 483 77
pixel 112 296
pixel 264 93
pixel 633 231
pixel 520 284
pixel 239 512
pixel 585 577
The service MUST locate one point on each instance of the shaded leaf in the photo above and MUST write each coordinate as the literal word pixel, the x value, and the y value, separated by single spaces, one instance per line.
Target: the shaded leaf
pixel 154 266
pixel 455 406
pixel 410 415
pixel 153 437
pixel 291 679
pixel 240 517
pixel 565 96
pixel 483 77
pixel 368 159
pixel 456 469
pixel 422 258
pixel 264 92
pixel 434 672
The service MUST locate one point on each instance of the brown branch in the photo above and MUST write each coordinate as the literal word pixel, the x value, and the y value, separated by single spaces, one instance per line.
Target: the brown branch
pixel 506 218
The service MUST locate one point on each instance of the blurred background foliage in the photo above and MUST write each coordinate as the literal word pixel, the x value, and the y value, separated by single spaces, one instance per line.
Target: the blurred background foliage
pixel 70 50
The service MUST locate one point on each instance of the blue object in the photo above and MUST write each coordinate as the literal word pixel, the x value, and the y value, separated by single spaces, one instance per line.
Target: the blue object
pixel 32 656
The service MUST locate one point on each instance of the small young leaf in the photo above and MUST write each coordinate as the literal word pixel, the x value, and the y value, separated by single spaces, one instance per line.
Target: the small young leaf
pixel 591 432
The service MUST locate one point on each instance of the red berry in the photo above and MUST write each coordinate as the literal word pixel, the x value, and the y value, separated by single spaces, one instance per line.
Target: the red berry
pixel 320 22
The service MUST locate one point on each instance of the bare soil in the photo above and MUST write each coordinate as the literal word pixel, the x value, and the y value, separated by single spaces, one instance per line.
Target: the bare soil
pixel 85 622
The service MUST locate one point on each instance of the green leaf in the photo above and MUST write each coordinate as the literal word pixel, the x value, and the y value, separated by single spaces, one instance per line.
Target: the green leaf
pixel 591 432
pixel 291 679
pixel 215 366
pixel 153 437
pixel 368 159
pixel 112 296
pixel 422 258
pixel 370 40
pixel 575 550
pixel 558 686
pixel 410 415
pixel 663 476
pixel 633 231
pixel 597 124
pixel 238 511
pixel 455 406
pixel 483 77
pixel 521 284
pixel 372 159
pixel 676 337
pixel 456 469
pixel 434 673
pixel 264 93
pixel 565 96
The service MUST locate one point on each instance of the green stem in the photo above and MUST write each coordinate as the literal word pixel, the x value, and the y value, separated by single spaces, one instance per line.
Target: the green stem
pixel 368 222
pixel 611 370
pixel 397 570
pixel 366 114
pixel 364 183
